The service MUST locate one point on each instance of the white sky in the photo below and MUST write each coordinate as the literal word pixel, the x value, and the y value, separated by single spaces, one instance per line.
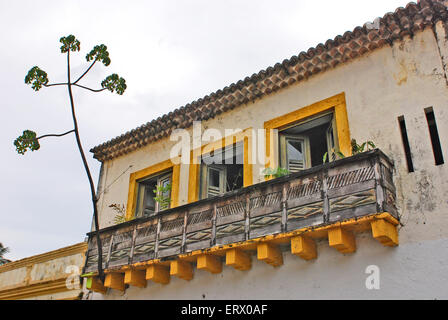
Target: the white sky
pixel 170 53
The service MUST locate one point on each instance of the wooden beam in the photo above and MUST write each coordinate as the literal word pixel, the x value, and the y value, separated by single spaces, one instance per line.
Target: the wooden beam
pixel 135 278
pixel 181 269
pixel 342 240
pixel 270 254
pixel 385 232
pixel 238 259
pixel 95 284
pixel 115 281
pixel 304 247
pixel 158 274
pixel 209 263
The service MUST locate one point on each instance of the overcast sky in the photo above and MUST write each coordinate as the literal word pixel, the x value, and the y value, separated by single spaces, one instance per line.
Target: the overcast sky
pixel 170 53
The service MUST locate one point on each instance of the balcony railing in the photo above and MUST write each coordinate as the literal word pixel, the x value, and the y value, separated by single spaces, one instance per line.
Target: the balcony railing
pixel 348 188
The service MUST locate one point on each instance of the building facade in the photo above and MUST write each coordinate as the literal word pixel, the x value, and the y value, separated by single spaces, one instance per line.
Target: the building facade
pixel 52 275
pixel 340 226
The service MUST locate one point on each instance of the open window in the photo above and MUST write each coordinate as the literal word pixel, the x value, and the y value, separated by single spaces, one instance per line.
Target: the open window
pixel 302 145
pixel 147 192
pixel 221 171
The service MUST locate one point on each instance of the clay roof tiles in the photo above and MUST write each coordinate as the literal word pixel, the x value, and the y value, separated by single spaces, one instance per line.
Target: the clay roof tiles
pixel 343 48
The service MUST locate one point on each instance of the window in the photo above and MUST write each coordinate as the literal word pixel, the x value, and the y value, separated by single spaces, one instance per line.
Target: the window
pixel 303 144
pixel 147 192
pixel 221 171
pixel 405 139
pixel 333 134
pixel 434 134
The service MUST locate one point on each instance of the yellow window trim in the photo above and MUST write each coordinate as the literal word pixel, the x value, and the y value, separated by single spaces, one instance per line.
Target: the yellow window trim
pixel 337 103
pixel 154 169
pixel 245 136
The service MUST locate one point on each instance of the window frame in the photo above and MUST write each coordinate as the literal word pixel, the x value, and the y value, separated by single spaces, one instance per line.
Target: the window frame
pixel 140 175
pixel 205 169
pixel 336 104
pixel 283 147
pixel 159 178
pixel 244 137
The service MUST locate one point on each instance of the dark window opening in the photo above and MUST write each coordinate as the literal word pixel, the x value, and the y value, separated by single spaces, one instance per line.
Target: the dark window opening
pixel 222 171
pixel 318 144
pixel 435 141
pixel 304 144
pixel 407 148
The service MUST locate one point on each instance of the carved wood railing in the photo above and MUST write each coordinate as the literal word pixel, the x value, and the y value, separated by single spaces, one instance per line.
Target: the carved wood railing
pixel 348 188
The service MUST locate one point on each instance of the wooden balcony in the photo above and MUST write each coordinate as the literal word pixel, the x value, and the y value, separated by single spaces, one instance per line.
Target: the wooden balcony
pixel 333 200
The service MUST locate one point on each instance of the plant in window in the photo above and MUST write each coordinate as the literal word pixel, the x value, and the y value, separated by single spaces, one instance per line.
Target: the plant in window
pixel 162 197
pixel 120 217
pixel 234 185
pixel 356 148
pixel 38 79
pixel 334 154
pixel 275 173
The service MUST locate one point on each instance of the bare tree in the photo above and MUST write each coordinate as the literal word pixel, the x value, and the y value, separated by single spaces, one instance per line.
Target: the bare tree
pixel 38 78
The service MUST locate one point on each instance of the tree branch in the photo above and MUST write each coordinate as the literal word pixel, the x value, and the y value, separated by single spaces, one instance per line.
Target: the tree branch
pixel 55 134
pixel 55 84
pixel 50 135
pixel 98 90
pixel 74 83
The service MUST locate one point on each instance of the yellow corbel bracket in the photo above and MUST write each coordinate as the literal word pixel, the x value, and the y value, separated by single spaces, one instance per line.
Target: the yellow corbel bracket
pixel 342 240
pixel 209 263
pixel 135 278
pixel 115 281
pixel 158 273
pixel 181 269
pixel 95 284
pixel 385 232
pixel 303 247
pixel 270 254
pixel 238 259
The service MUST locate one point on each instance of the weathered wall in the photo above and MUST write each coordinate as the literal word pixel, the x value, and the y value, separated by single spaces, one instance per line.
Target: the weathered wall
pixel 411 271
pixel 390 82
pixel 42 276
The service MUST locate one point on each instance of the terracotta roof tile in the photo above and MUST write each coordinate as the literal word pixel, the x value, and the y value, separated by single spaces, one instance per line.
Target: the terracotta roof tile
pixel 343 48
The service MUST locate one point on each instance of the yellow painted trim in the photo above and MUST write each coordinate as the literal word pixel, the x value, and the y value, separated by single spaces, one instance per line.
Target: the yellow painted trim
pixel 342 240
pixel 151 170
pixel 158 273
pixel 135 278
pixel 114 281
pixel 336 102
pixel 385 232
pixel 247 163
pixel 44 257
pixel 181 269
pixel 94 284
pixel 37 289
pixel 303 247
pixel 238 259
pixel 194 170
pixel 193 181
pixel 175 186
pixel 360 224
pixel 270 254
pixel 209 263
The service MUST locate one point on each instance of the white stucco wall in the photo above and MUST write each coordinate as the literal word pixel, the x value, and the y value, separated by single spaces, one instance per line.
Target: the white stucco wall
pixel 390 82
pixel 411 271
